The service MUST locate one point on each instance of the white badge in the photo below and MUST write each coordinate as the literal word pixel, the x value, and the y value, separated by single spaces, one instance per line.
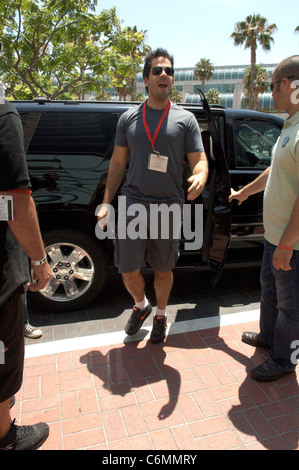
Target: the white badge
pixel 6 208
pixel 157 162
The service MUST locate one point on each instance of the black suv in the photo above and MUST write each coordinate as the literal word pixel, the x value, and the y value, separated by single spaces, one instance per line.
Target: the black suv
pixel 69 145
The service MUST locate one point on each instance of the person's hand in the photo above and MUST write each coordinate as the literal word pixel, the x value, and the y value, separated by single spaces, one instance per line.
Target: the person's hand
pixel 103 216
pixel 105 227
pixel 41 275
pixel 237 195
pixel 281 259
pixel 196 187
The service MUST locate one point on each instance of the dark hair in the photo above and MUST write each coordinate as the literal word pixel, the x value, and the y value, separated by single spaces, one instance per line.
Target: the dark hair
pixel 154 55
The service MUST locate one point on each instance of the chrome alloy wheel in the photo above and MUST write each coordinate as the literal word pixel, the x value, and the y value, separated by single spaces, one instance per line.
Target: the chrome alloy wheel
pixel 73 272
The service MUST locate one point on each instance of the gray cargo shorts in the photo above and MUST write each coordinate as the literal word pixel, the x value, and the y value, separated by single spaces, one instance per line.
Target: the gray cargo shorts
pixel 147 238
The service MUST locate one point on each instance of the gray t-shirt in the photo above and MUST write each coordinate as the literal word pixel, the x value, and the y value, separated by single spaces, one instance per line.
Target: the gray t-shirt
pixel 178 136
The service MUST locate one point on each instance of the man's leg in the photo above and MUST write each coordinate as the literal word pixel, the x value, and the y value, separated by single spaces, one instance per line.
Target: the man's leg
pixel 11 371
pixel 135 285
pixel 4 418
pixel 268 308
pixel 287 322
pixel 163 282
pixel 286 328
pixel 11 375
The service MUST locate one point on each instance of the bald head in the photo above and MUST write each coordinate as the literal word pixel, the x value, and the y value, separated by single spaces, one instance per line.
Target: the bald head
pixel 287 68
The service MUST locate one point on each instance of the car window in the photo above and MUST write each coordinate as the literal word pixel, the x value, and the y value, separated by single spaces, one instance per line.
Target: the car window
pixel 73 133
pixel 254 141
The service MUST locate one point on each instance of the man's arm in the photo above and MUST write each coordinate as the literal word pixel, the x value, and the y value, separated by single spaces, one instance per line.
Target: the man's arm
pixel 117 168
pixel 26 230
pixel 200 169
pixel 254 187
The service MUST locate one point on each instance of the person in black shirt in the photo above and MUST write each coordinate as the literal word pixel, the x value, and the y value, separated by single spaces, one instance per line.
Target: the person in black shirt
pixel 20 238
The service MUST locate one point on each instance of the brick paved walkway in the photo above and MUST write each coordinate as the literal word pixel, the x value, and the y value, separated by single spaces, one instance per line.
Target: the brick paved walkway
pixel 193 392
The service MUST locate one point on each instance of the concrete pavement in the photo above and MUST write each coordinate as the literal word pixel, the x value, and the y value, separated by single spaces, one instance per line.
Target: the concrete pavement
pixel 98 389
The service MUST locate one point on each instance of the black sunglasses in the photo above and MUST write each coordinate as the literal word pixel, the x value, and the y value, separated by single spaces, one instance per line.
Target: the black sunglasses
pixel 158 70
pixel 278 81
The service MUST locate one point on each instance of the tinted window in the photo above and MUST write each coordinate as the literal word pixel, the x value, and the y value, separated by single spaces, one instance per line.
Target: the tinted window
pixel 253 142
pixel 73 133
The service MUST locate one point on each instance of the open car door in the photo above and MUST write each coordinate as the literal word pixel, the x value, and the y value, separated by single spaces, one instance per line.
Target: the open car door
pixel 217 209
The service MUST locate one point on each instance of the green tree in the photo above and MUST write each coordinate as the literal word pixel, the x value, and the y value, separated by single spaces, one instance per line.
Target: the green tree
pixel 213 96
pixel 126 62
pixel 58 48
pixel 204 71
pixel 175 95
pixel 137 53
pixel 140 97
pixel 260 85
pixel 255 29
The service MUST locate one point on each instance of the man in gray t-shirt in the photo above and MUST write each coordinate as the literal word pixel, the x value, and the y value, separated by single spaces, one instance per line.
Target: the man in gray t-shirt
pixel 152 140
pixel 179 135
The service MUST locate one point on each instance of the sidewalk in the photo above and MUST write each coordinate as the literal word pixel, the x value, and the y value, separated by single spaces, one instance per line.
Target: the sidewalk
pixel 192 392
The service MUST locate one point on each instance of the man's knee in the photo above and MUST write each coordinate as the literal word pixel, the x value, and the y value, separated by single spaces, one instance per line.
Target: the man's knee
pixel 163 274
pixel 131 275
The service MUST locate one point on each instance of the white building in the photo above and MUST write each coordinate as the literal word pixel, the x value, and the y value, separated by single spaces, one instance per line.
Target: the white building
pixel 227 79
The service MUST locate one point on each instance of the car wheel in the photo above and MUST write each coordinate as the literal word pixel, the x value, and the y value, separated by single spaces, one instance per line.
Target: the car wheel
pixel 79 268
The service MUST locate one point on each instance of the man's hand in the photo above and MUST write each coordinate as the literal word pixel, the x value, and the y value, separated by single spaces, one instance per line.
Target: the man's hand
pixel 103 216
pixel 200 169
pixel 281 259
pixel 41 275
pixel 237 195
pixel 197 186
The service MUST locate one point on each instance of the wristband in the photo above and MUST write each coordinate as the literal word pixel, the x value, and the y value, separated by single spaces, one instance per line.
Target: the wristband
pixel 23 191
pixel 285 247
pixel 39 262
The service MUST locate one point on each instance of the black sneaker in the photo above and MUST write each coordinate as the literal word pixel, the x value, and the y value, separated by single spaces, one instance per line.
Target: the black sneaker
pixel 136 319
pixel 158 333
pixel 25 437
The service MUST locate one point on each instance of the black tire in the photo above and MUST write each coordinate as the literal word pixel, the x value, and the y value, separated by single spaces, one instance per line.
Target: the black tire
pixel 79 268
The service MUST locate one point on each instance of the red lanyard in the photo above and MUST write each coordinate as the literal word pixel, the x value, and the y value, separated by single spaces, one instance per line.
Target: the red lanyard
pixel 150 138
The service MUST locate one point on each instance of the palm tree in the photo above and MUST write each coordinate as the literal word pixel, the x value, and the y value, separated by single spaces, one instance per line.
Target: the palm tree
pixel 204 71
pixel 175 96
pixel 261 84
pixel 138 51
pixel 213 96
pixel 255 29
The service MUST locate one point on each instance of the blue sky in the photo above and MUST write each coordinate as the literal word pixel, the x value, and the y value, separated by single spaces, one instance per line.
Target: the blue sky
pixel 193 29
